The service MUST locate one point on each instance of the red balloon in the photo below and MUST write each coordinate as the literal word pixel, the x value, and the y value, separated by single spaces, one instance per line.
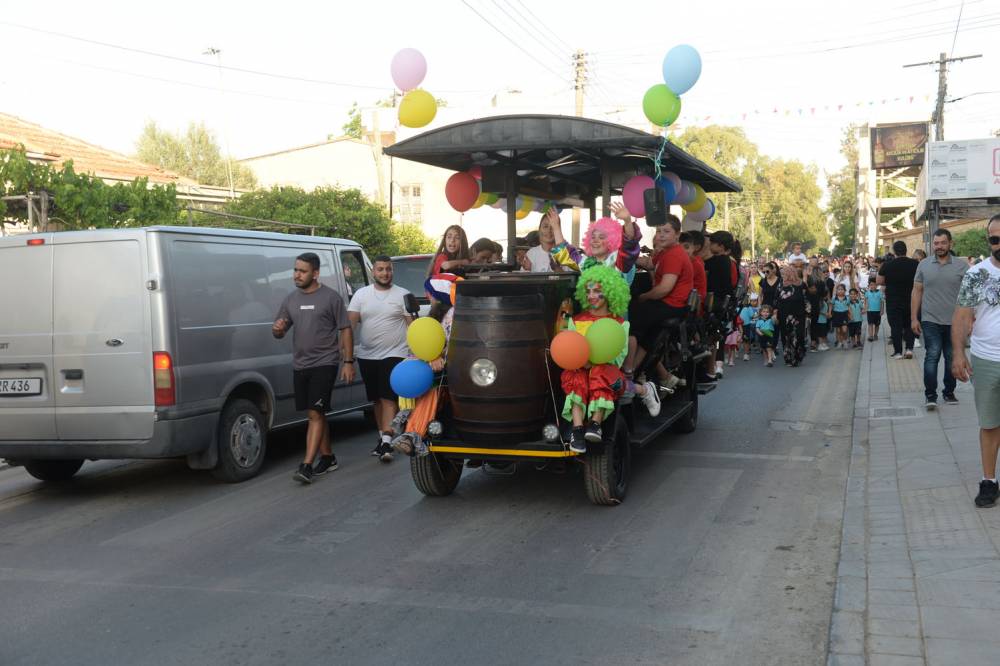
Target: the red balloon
pixel 476 172
pixel 461 190
pixel 570 350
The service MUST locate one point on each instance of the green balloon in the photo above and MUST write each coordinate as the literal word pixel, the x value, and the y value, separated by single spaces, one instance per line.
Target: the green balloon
pixel 661 105
pixel 607 340
pixel 491 198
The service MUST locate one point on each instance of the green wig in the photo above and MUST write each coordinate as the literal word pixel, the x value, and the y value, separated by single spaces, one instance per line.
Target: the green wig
pixel 613 286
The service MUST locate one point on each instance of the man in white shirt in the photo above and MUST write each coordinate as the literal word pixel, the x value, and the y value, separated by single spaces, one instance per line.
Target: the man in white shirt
pixel 379 312
pixel 978 312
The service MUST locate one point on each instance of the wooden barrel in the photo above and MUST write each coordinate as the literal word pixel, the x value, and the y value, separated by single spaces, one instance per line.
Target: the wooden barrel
pixel 510 330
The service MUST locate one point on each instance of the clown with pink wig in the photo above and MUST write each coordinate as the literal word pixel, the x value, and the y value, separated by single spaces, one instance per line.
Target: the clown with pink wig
pixel 606 243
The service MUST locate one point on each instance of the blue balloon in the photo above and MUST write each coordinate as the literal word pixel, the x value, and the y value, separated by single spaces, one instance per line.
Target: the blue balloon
pixel 681 68
pixel 711 214
pixel 411 378
pixel 668 189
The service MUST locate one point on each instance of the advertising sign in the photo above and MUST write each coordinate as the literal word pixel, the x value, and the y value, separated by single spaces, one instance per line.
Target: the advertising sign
pixel 963 169
pixel 898 145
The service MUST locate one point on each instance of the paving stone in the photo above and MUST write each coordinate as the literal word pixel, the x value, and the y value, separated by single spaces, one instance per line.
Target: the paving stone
pixel 851 594
pixel 891 569
pixel 948 652
pixel 912 647
pixel 894 660
pixel 883 583
pixel 957 593
pixel 970 624
pixel 847 633
pixel 845 660
pixel 892 597
pixel 885 612
pixel 905 628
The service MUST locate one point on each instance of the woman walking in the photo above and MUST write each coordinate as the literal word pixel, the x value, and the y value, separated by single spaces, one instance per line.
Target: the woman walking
pixel 792 316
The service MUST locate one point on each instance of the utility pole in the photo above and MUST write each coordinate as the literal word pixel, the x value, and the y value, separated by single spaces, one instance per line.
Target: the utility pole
pixel 579 80
pixel 938 119
pixel 942 62
pixel 225 127
pixel 725 220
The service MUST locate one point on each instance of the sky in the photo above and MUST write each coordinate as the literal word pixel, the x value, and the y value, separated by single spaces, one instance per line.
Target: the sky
pixel 792 74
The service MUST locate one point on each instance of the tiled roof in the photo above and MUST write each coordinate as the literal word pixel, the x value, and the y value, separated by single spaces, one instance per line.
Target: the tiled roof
pixel 48 145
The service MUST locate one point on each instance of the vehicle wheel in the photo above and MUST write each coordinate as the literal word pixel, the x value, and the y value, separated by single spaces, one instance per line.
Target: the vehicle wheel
pixel 689 422
pixel 605 475
pixel 53 470
pixel 242 440
pixel 435 476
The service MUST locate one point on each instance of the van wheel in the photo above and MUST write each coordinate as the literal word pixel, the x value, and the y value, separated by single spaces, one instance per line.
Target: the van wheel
pixel 605 475
pixel 435 476
pixel 53 470
pixel 242 441
pixel 689 422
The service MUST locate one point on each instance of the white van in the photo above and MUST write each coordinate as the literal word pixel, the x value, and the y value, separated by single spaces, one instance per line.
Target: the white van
pixel 153 343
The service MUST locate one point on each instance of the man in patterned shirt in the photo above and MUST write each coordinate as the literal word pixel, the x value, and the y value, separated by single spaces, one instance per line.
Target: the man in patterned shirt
pixel 978 313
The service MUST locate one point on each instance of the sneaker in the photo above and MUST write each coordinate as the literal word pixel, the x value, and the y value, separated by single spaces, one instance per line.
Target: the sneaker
pixel 385 451
pixel 746 357
pixel 325 464
pixel 950 400
pixel 577 441
pixel 871 338
pixel 988 493
pixel 652 399
pixel 824 347
pixel 813 350
pixel 377 451
pixel 593 432
pixel 896 357
pixel 304 474
pixel 705 378
pixel 916 343
pixel 769 364
pixel 671 383
pixel 930 405
pixel 718 369
pixel 908 353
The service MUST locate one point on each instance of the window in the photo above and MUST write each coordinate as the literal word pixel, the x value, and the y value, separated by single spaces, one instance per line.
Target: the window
pixel 410 208
pixel 355 274
pixel 416 191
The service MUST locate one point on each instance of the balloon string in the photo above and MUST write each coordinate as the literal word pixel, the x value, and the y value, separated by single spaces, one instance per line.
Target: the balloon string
pixel 659 155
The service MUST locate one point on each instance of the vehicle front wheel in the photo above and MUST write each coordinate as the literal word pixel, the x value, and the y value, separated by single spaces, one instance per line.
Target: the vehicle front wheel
pixel 435 476
pixel 242 441
pixel 605 474
pixel 689 422
pixel 53 470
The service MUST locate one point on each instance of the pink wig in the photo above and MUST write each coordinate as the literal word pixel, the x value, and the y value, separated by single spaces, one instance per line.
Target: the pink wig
pixel 610 228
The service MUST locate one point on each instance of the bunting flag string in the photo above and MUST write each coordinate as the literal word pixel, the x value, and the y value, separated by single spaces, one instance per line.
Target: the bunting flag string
pixel 806 111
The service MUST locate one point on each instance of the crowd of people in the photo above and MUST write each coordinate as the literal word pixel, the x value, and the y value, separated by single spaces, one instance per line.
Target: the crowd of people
pixel 798 305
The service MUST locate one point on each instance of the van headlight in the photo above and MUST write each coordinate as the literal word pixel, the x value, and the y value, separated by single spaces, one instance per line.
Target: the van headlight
pixel 483 372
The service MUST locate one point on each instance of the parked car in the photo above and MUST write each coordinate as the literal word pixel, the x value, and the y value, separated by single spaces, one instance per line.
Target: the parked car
pixel 154 343
pixel 409 272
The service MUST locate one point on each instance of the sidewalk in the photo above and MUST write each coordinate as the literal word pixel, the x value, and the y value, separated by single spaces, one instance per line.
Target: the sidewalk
pixel 919 571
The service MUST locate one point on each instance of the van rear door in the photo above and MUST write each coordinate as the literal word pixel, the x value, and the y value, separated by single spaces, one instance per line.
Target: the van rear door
pixel 27 403
pixel 102 348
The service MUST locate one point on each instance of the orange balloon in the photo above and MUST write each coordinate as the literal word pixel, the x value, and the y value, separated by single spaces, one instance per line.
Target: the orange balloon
pixel 570 350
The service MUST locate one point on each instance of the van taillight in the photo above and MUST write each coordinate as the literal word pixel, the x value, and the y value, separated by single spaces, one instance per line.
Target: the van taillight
pixel 36 241
pixel 163 379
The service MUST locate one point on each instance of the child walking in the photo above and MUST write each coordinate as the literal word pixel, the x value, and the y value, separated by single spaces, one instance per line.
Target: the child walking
pixel 855 308
pixel 591 391
pixel 733 340
pixel 748 317
pixel 875 302
pixel 823 325
pixel 841 313
pixel 765 333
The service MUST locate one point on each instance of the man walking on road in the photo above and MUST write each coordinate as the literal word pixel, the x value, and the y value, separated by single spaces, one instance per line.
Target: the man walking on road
pixel 897 277
pixel 380 313
pixel 932 305
pixel 320 324
pixel 979 312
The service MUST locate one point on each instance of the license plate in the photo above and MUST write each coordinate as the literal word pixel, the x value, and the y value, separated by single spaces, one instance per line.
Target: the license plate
pixel 21 386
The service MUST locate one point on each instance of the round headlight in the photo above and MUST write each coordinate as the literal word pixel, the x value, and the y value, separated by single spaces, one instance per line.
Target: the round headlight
pixel 434 429
pixel 551 433
pixel 483 372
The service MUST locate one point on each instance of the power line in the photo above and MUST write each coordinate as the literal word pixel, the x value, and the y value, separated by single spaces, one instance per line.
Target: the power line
pixel 957 23
pixel 527 23
pixel 512 41
pixel 565 45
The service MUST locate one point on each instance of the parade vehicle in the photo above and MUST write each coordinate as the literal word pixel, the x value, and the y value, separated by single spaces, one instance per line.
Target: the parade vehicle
pixel 503 390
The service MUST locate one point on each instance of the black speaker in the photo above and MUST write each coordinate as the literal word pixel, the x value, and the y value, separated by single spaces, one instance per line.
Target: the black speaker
pixel 656 207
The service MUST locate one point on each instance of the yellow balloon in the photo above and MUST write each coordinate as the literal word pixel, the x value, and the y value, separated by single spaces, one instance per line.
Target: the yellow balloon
pixel 527 205
pixel 698 201
pixel 521 214
pixel 425 337
pixel 481 199
pixel 417 109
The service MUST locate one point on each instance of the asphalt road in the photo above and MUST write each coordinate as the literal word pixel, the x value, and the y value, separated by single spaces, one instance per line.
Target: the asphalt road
pixel 724 552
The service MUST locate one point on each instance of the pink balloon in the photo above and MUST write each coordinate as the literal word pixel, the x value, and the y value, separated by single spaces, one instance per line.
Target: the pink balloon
pixel 408 69
pixel 632 194
pixel 673 178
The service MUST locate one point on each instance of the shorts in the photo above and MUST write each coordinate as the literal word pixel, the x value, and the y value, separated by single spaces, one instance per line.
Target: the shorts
pixel 766 342
pixel 822 330
pixel 854 328
pixel 986 389
pixel 749 335
pixel 875 317
pixel 314 387
pixel 375 373
pixel 839 319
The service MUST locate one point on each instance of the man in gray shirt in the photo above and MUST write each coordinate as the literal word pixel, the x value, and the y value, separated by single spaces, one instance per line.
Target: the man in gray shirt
pixel 932 304
pixel 321 334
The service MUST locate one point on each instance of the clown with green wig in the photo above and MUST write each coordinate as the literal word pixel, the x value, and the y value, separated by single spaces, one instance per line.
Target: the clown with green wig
pixel 591 391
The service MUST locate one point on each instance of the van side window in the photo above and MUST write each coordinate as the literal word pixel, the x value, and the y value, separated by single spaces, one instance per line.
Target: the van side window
pixel 355 274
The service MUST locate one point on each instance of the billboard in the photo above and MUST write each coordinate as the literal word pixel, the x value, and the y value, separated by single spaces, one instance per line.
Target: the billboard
pixel 898 145
pixel 963 169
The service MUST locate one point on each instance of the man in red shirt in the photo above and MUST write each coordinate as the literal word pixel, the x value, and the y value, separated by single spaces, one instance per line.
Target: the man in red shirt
pixel 673 280
pixel 693 242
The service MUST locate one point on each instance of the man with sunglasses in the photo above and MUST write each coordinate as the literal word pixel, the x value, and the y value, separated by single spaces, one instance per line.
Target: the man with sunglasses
pixel 978 313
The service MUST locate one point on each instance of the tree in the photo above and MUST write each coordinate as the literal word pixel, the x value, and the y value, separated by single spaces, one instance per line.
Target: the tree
pixel 971 243
pixel 195 154
pixel 352 127
pixel 342 213
pixel 82 201
pixel 842 187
